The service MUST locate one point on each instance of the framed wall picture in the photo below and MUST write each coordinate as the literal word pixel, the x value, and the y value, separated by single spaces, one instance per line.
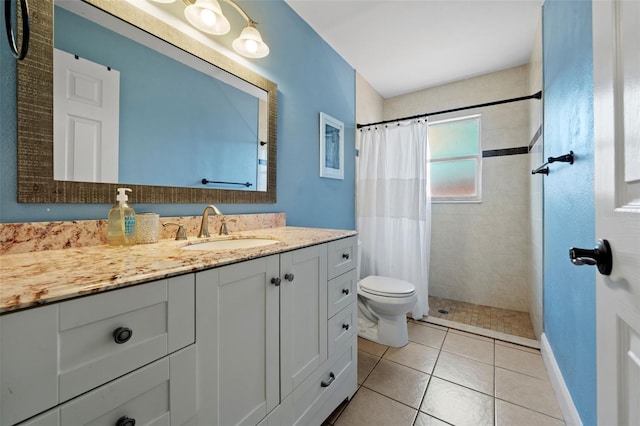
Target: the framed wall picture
pixel 331 147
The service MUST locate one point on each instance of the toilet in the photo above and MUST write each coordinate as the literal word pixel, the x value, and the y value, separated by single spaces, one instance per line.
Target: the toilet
pixel 383 303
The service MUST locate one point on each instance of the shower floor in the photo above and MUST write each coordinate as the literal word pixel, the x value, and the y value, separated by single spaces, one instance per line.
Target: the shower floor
pixel 506 321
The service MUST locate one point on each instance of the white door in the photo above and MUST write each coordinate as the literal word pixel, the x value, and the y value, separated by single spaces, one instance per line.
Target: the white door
pixel 86 104
pixel 616 30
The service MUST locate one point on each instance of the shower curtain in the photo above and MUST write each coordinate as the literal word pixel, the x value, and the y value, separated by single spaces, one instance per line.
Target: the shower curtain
pixel 394 207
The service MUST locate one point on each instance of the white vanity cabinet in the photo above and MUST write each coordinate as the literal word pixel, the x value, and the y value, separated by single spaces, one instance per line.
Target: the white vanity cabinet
pixel 276 340
pixel 55 353
pixel 269 341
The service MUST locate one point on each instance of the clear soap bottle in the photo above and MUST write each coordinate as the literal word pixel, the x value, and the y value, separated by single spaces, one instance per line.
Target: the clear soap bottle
pixel 121 230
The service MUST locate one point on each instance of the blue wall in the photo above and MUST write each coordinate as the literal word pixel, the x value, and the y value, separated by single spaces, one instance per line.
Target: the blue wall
pixel 162 130
pixel 569 211
pixel 311 78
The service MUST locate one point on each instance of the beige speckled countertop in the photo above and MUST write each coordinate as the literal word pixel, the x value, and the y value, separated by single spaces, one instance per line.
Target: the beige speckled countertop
pixel 37 278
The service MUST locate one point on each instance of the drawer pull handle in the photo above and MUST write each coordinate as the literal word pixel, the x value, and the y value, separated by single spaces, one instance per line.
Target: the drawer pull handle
pixel 345 256
pixel 326 384
pixel 275 281
pixel 345 291
pixel 288 277
pixel 126 421
pixel 122 335
pixel 345 326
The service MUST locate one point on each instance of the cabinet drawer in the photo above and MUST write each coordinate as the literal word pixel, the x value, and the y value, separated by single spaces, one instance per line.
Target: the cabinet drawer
pixel 343 256
pixel 53 353
pixel 107 335
pixel 155 394
pixel 342 327
pixel 310 396
pixel 342 292
pixel 161 393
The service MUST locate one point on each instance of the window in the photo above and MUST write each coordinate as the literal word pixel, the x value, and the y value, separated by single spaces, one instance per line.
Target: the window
pixel 456 160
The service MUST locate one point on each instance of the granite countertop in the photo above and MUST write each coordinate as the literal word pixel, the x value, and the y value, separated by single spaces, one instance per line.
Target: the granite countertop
pixel 37 278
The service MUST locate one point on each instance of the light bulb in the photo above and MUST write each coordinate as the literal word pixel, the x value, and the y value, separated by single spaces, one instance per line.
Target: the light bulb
pixel 208 17
pixel 251 46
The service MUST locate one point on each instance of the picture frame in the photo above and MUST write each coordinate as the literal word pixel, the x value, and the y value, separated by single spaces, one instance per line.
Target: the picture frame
pixel 331 147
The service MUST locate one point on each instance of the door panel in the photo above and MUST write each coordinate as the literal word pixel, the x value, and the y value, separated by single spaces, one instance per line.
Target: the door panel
pixel 303 313
pixel 616 29
pixel 237 327
pixel 86 120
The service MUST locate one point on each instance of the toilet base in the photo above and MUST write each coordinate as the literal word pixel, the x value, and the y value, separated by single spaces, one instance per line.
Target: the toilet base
pixel 385 332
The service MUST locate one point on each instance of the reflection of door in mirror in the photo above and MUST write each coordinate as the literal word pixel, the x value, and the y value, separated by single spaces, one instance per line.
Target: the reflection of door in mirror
pixel 86 101
pixel 177 124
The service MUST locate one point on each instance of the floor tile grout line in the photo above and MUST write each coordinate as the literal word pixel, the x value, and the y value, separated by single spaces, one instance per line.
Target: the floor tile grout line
pixel 408 366
pixel 388 397
pixel 467 357
pixel 432 375
pixel 424 395
pixel 524 374
pixel 393 399
pixel 528 408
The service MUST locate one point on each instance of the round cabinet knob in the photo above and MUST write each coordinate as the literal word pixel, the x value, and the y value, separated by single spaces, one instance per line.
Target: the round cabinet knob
pixel 289 277
pixel 345 256
pixel 275 281
pixel 122 335
pixel 345 290
pixel 126 421
pixel 345 326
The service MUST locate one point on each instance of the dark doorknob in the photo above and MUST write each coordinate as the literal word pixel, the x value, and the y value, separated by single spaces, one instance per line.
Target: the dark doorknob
pixel 599 256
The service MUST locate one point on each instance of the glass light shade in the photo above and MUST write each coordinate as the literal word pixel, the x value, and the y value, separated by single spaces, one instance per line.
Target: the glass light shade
pixel 250 43
pixel 163 1
pixel 207 16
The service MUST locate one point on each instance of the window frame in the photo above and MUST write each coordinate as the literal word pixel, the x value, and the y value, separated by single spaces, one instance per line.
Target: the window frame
pixel 477 198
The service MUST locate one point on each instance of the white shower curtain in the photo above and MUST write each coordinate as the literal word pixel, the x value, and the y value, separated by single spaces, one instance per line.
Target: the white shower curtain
pixel 394 207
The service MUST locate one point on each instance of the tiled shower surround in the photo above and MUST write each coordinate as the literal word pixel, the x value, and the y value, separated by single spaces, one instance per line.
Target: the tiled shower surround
pixel 480 252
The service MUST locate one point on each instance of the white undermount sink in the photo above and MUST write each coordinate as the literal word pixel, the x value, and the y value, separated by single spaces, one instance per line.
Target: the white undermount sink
pixel 235 243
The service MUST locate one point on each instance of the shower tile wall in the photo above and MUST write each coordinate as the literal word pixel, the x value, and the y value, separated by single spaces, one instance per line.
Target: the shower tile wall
pixel 480 252
pixel 536 157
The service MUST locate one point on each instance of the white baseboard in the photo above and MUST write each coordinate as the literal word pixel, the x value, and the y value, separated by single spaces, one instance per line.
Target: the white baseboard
pixel 571 416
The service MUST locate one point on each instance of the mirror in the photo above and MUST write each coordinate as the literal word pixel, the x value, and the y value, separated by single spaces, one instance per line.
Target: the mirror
pixel 35 129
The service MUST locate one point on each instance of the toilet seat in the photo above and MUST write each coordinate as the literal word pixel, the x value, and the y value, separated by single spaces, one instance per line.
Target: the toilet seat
pixel 386 287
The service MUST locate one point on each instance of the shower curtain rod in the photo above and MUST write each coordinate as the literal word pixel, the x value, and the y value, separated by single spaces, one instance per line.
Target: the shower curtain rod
pixel 413 117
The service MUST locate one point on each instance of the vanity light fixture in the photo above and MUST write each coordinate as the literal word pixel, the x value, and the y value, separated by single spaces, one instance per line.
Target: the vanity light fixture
pixel 207 16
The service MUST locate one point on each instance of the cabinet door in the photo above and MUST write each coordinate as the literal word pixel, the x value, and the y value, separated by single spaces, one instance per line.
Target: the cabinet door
pixel 237 342
pixel 28 363
pixel 303 314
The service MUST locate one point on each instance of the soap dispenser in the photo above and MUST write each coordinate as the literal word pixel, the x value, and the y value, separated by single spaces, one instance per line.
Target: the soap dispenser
pixel 121 230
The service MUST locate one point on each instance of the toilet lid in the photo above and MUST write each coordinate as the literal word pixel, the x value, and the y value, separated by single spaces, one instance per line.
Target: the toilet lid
pixel 387 286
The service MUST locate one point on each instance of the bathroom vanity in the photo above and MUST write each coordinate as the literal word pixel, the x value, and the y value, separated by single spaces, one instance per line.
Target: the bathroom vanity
pixel 163 335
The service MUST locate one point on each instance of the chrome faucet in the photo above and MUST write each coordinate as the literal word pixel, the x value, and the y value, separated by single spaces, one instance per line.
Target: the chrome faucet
pixel 204 226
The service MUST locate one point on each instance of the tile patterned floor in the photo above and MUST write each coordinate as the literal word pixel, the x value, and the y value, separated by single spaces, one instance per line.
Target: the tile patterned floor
pixel 446 376
pixel 501 320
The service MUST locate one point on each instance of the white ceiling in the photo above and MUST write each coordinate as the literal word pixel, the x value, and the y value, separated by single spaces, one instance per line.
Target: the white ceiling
pixel 401 46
